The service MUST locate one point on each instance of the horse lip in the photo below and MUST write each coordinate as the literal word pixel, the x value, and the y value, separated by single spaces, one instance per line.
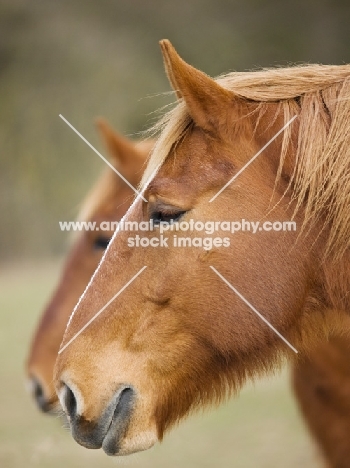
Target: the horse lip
pixel 52 408
pixel 119 421
pixel 110 428
pixel 49 407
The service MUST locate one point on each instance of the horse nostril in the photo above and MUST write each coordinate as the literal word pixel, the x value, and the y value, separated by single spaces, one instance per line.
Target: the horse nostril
pixel 107 429
pixel 124 403
pixel 44 403
pixel 68 401
pixel 123 406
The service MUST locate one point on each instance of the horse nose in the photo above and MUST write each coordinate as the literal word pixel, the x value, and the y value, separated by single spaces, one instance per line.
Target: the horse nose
pixel 68 402
pixel 107 430
pixel 44 402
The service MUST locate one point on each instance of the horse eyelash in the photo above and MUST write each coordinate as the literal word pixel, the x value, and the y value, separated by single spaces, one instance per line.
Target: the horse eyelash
pixel 159 213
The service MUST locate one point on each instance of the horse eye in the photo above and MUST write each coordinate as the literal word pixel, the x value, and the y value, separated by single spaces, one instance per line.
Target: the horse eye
pixel 101 242
pixel 163 216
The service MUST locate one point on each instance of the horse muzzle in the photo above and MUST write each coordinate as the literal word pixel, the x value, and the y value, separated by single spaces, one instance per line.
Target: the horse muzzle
pixel 109 430
pixel 46 404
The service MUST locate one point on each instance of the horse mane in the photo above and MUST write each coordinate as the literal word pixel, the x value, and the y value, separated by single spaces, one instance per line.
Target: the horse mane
pixel 320 95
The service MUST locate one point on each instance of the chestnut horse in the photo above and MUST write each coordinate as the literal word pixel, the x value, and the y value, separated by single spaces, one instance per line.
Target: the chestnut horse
pixel 158 333
pixel 108 201
pixel 321 384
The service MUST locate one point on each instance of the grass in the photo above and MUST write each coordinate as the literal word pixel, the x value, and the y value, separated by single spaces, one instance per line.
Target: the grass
pixel 261 428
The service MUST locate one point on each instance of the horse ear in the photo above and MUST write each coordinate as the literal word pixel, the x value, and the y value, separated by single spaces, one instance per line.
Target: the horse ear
pixel 205 98
pixel 121 150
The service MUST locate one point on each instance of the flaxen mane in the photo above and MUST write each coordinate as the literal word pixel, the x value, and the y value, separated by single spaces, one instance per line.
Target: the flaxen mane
pixel 320 96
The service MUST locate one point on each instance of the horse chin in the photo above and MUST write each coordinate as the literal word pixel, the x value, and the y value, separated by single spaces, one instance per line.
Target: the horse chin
pixel 128 446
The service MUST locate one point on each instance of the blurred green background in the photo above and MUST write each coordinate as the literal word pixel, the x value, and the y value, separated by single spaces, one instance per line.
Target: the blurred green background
pixel 86 59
